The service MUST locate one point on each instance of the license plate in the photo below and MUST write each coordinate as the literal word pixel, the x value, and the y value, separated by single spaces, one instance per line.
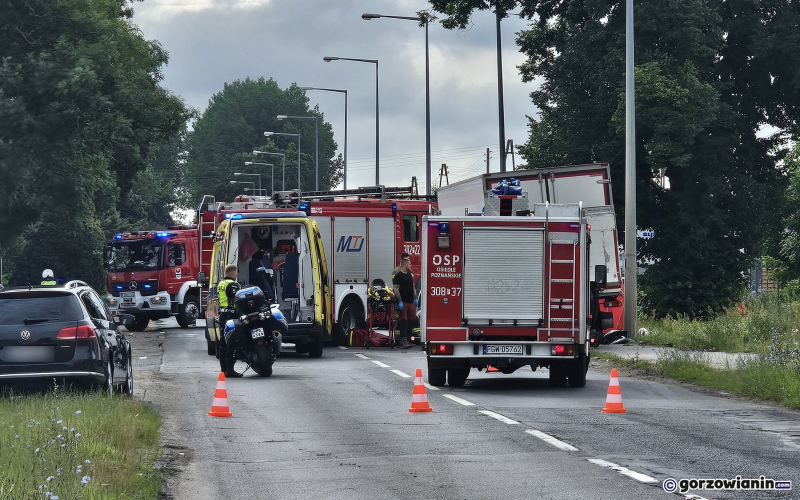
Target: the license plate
pixel 257 332
pixel 28 354
pixel 127 294
pixel 502 349
pixel 127 302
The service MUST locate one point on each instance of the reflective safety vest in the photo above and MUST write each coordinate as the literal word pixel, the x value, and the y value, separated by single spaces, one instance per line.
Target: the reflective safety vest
pixel 49 282
pixel 222 292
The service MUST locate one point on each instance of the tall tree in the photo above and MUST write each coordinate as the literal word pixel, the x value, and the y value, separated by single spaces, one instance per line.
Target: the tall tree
pixel 233 125
pixel 709 75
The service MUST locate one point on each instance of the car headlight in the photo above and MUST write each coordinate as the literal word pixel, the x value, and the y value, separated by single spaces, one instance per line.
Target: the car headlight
pixel 112 302
pixel 158 301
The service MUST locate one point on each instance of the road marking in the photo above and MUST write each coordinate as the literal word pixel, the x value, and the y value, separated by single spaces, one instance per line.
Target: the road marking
pixel 361 356
pixel 550 439
pixel 382 365
pixel 499 417
pixel 142 357
pixel 642 478
pixel 398 372
pixel 692 496
pixel 431 387
pixel 341 347
pixel 458 400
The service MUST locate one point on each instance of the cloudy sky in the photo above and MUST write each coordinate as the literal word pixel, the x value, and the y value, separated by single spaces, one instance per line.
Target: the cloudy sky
pixel 211 42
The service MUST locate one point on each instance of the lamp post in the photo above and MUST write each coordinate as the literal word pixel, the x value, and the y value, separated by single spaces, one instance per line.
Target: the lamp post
pixel 500 105
pixel 237 174
pixel 344 181
pixel 283 168
pixel 244 182
pixel 630 306
pixel 367 17
pixel 270 134
pixel 272 176
pixel 377 110
pixel 316 138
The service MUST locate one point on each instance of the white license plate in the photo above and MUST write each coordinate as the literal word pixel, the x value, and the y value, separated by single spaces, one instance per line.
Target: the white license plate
pixel 502 349
pixel 257 332
pixel 28 354
pixel 127 294
pixel 127 302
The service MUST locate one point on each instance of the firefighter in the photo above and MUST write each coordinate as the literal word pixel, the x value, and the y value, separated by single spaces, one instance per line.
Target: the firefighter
pixel 48 278
pixel 396 270
pixel 226 292
pixel 403 283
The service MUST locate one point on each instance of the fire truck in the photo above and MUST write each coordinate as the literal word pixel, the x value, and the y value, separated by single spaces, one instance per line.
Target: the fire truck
pixel 363 233
pixel 151 275
pixel 587 184
pixel 510 287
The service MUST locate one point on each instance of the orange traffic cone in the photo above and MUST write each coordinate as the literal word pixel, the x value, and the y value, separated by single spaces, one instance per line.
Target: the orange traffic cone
pixel 219 408
pixel 491 368
pixel 614 397
pixel 419 399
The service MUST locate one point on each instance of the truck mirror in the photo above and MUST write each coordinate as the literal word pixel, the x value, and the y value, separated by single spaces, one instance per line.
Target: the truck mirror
pixel 600 275
pixel 201 278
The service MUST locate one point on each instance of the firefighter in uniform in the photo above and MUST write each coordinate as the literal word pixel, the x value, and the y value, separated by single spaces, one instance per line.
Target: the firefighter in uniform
pixel 48 278
pixel 226 293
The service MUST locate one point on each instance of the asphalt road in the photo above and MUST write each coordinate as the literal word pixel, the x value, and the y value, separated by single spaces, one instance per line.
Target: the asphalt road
pixel 339 428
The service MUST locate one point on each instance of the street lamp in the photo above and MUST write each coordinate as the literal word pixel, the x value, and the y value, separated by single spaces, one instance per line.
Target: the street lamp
pixel 272 179
pixel 283 168
pixel 237 174
pixel 367 17
pixel 377 110
pixel 344 181
pixel 244 182
pixel 316 137
pixel 270 134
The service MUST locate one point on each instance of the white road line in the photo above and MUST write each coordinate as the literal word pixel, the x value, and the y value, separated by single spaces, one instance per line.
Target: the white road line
pixel 341 347
pixel 550 439
pixel 362 356
pixel 382 365
pixel 643 478
pixel 431 387
pixel 499 417
pixel 458 400
pixel 398 372
pixel 142 357
pixel 692 496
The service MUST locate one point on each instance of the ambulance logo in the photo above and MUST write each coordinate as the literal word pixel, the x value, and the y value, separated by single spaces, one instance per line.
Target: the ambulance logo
pixel 350 244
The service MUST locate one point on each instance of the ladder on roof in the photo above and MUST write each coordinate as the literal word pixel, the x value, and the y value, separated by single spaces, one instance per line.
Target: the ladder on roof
pixel 293 198
pixel 207 229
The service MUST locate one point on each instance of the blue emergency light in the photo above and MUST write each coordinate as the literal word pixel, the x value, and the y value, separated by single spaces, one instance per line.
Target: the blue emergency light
pixel 117 236
pixel 162 235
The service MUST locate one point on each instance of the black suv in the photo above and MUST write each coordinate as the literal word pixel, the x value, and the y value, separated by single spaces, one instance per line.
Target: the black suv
pixel 62 332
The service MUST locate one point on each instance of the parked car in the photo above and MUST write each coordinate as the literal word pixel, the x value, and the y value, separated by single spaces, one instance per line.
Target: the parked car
pixel 63 332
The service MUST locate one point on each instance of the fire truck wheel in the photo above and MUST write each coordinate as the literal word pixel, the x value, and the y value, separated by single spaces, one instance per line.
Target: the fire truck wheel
pixel 315 349
pixel 188 311
pixel 558 377
pixel 456 377
pixel 577 372
pixel 437 376
pixel 139 323
pixel 350 316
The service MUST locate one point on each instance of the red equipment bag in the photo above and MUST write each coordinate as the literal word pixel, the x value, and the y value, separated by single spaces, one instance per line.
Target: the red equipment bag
pixel 357 337
pixel 376 339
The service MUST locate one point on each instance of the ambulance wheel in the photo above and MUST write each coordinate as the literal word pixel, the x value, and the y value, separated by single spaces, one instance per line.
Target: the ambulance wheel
pixel 456 377
pixel 139 323
pixel 558 377
pixel 577 372
pixel 437 376
pixel 188 311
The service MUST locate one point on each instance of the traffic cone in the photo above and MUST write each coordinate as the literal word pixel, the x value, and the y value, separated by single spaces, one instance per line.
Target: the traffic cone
pixel 419 399
pixel 219 408
pixel 614 397
pixel 491 368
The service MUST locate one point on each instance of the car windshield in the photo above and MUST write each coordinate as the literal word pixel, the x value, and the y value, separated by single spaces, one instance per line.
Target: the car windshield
pixel 24 309
pixel 136 254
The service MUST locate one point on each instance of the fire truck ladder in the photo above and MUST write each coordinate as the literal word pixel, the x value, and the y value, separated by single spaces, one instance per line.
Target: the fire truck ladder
pixel 294 198
pixel 563 272
pixel 207 230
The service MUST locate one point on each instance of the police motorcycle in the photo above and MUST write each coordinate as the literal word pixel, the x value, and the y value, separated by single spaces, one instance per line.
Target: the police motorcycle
pixel 256 333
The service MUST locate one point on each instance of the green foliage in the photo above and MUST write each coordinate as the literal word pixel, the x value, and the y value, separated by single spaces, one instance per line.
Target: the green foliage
pixel 709 75
pixel 233 125
pixel 80 109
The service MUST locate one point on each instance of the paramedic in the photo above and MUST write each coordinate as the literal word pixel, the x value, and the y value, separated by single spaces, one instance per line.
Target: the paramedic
pixel 396 270
pixel 226 293
pixel 403 283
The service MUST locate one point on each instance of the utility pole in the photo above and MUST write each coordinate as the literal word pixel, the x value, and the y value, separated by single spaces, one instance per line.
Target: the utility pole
pixel 414 186
pixel 510 149
pixel 630 307
pixel 443 174
pixel 487 160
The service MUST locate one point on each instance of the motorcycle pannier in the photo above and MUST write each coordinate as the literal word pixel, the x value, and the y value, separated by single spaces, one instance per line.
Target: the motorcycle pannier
pixel 250 300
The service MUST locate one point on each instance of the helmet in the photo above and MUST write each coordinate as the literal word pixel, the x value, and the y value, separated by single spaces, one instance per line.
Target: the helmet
pixel 47 273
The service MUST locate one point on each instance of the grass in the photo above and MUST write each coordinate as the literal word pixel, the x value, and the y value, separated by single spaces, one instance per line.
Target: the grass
pixel 72 446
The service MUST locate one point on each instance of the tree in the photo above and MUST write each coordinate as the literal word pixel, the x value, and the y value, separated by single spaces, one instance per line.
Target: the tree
pixel 80 109
pixel 708 76
pixel 233 125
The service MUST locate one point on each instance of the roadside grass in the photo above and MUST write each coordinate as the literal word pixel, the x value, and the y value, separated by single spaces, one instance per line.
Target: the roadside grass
pixel 72 446
pixel 770 379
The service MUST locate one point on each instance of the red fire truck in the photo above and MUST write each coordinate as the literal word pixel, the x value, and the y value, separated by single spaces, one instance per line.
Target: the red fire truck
pixel 589 185
pixel 509 291
pixel 364 231
pixel 151 275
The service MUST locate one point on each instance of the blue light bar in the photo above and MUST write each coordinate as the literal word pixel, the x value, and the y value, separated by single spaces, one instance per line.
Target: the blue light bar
pixel 118 287
pixel 117 236
pixel 162 235
pixel 233 216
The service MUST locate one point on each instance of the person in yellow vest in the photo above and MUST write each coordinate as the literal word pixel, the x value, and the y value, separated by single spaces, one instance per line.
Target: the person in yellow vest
pixel 226 293
pixel 48 278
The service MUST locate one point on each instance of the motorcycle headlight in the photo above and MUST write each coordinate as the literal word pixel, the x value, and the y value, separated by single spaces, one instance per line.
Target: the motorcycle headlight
pixel 263 315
